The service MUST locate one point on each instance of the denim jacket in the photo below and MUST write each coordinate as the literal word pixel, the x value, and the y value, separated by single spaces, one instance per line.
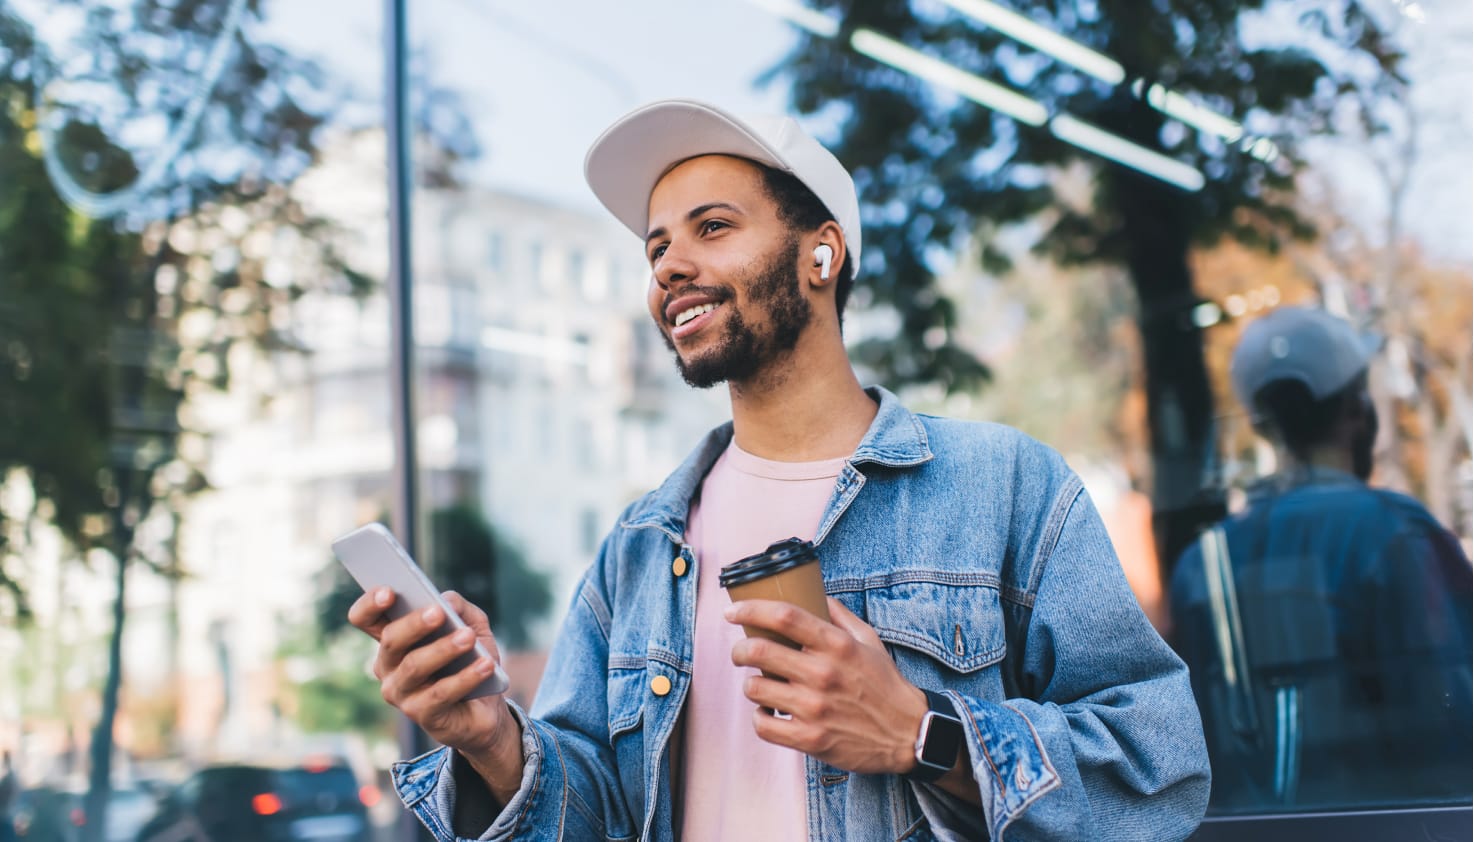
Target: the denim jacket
pixel 978 558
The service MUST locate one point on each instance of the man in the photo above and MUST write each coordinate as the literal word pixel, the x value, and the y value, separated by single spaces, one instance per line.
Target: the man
pixel 1328 624
pixel 986 668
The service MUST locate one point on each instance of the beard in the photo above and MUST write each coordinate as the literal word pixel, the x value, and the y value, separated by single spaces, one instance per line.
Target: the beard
pixel 743 352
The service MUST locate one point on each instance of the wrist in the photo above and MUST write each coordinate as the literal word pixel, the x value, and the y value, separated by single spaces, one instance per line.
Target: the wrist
pixel 939 740
pixel 916 707
pixel 498 760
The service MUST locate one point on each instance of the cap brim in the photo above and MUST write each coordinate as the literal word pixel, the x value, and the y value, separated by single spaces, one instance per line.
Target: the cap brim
pixel 630 157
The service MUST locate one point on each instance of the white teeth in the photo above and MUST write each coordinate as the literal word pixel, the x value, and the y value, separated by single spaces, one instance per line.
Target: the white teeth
pixel 689 314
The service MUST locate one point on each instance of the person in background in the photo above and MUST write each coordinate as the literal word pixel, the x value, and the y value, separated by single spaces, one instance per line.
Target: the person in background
pixel 1327 625
pixel 986 667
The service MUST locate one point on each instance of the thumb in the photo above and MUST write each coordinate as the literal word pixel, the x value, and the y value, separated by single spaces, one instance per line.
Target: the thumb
pixel 854 626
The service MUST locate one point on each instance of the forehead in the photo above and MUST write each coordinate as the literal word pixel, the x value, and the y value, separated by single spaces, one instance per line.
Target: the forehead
pixel 706 179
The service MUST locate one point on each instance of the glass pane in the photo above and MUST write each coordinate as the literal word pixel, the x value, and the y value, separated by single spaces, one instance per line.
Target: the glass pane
pixel 193 398
pixel 1091 238
pixel 545 402
pixel 1070 236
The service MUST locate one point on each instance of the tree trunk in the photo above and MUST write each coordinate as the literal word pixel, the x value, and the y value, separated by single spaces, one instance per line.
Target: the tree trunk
pixel 1156 223
pixel 101 754
pixel 1185 484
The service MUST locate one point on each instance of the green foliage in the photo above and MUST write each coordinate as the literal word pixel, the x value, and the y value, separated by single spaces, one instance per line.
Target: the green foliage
pixel 95 365
pixel 932 168
pixel 335 690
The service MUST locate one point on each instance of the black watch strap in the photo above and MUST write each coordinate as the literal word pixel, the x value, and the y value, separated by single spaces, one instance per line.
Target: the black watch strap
pixel 939 741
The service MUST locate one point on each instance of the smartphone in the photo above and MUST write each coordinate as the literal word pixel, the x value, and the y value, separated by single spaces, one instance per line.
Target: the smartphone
pixel 375 559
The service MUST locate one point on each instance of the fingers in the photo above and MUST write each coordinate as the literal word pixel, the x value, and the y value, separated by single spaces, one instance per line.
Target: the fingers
pixel 785 619
pixel 769 656
pixel 428 700
pixel 857 628
pixel 792 733
pixel 771 694
pixel 471 614
pixel 417 668
pixel 400 637
pixel 368 611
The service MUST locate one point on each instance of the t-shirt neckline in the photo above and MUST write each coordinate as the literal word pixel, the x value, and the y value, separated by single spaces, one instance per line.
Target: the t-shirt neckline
pixel 757 466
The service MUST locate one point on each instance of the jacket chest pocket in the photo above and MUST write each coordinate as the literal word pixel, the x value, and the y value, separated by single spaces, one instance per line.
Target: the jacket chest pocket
pixel 940 631
pixel 627 690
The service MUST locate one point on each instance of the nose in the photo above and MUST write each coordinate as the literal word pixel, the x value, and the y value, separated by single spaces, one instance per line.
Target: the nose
pixel 674 267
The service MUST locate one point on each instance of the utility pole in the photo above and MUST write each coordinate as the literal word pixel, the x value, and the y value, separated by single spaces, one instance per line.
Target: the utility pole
pixel 398 138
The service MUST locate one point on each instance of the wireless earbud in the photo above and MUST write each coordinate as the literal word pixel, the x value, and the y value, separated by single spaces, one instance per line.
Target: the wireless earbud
pixel 823 255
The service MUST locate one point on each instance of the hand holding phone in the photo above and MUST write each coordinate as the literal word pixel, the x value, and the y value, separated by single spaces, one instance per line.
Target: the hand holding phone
pixel 374 559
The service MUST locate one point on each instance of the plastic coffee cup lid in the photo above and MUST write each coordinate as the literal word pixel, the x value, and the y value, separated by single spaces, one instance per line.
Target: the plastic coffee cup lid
pixel 784 555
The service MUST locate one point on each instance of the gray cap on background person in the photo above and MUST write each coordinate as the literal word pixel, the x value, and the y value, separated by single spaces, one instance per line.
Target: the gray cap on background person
pixel 630 157
pixel 1300 343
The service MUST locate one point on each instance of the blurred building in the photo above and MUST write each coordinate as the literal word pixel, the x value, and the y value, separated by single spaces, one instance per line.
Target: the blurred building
pixel 544 396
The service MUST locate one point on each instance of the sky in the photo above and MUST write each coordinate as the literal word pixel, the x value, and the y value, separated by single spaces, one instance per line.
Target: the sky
pixel 542 80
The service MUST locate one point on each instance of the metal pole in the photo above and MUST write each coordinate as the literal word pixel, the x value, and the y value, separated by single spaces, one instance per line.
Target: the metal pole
pixel 412 741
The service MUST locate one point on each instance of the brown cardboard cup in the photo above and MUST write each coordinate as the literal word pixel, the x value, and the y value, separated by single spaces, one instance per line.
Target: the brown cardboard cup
pixel 787 571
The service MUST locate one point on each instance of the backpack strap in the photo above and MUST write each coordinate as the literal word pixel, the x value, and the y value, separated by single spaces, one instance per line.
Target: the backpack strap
pixel 1228 631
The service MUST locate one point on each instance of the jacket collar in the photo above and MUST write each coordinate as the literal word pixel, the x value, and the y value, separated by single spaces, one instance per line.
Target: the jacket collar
pixel 1283 482
pixel 896 439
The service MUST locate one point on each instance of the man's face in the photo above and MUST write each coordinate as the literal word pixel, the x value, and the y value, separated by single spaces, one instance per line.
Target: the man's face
pixel 725 289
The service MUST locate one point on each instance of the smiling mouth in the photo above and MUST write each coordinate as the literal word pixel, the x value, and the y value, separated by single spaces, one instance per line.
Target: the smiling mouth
pixel 692 312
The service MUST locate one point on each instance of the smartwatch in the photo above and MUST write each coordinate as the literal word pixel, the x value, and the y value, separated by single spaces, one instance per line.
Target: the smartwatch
pixel 939 741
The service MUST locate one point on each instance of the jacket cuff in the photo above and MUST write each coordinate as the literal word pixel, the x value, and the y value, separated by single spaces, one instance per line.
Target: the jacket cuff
pixel 1008 759
pixel 452 801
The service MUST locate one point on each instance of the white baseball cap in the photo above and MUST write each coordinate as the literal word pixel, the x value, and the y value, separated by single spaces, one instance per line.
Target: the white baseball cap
pixel 631 156
pixel 1300 343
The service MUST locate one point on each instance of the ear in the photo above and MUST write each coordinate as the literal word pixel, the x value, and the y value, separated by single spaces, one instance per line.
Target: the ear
pixel 829 234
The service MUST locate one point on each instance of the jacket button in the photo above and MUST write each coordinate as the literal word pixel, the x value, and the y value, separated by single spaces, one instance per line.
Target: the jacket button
pixel 660 685
pixel 678 567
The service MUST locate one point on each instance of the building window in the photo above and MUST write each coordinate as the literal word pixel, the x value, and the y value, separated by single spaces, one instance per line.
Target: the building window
pixel 535 261
pixel 577 269
pixel 495 252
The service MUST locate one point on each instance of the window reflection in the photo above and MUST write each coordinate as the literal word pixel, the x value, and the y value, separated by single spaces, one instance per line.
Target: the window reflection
pixel 1327 624
pixel 194 354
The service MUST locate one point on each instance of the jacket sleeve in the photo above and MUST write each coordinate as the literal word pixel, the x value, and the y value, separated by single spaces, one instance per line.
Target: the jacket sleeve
pixel 570 784
pixel 1101 738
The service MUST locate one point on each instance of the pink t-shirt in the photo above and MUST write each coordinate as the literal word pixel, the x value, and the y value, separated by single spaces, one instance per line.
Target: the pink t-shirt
pixel 734 785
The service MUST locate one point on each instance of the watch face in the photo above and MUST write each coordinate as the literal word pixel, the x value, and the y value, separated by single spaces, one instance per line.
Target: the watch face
pixel 943 738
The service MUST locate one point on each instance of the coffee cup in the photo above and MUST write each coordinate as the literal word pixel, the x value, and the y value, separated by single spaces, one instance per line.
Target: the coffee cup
pixel 787 571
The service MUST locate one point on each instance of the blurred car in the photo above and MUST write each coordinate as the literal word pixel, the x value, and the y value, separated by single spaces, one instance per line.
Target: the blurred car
pixel 39 815
pixel 48 814
pixel 313 801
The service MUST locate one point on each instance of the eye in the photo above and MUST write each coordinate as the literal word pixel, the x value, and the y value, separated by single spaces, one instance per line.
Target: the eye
pixel 712 225
pixel 656 252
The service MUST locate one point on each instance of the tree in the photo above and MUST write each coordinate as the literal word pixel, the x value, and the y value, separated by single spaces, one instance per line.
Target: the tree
pixel 1062 348
pixel 130 279
pixel 330 691
pixel 932 169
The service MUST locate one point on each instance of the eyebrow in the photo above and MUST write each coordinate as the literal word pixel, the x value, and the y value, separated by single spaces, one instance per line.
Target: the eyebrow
pixel 693 215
